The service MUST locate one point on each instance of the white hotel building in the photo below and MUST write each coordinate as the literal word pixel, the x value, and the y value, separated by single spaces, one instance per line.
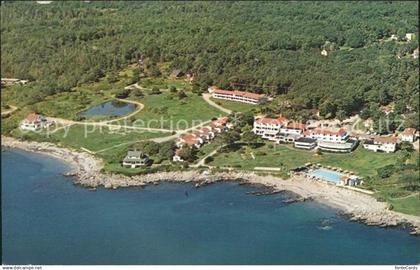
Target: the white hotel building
pixel 239 96
pixel 381 144
pixel 332 140
pixel 282 130
pixel 278 129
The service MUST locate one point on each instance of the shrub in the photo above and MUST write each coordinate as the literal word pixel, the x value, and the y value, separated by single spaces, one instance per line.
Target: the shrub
pixel 155 91
pixel 123 93
pixel 386 171
pixel 172 89
pixel 208 160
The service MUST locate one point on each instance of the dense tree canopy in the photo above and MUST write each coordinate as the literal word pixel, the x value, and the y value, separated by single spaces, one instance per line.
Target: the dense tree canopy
pixel 271 47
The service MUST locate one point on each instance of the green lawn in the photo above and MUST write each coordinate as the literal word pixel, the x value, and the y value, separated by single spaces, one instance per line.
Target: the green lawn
pixel 165 83
pixel 207 149
pixel 408 205
pixel 99 138
pixel 169 112
pixel 361 161
pixel 235 106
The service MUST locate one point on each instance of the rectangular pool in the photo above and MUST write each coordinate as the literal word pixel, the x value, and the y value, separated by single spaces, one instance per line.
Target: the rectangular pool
pixel 327 175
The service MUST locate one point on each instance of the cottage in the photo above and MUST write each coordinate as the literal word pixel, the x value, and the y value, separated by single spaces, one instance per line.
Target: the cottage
pixel 200 136
pixel 351 180
pixel 416 53
pixel 12 81
pixel 381 144
pixel 189 77
pixel 387 109
pixel 305 143
pixel 135 159
pixel 236 95
pixel 408 135
pixel 190 140
pixel 35 122
pixel 324 52
pixel 177 157
pixel 410 36
pixel 206 133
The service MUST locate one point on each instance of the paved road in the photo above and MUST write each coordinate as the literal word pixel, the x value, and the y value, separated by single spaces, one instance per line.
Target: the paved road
pixel 207 97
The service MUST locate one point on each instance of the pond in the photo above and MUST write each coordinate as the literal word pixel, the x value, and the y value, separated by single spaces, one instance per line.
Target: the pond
pixel 109 108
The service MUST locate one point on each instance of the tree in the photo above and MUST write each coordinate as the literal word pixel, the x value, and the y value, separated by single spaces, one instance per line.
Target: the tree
pixel 112 77
pixel 155 91
pixel 410 180
pixel 167 150
pixel 327 109
pixel 138 93
pixel 229 137
pixel 188 153
pixel 172 89
pixel 151 148
pixel 182 95
pixel 355 39
pixel 136 76
pixel 249 137
pixel 386 171
pixel 406 146
pixel 124 93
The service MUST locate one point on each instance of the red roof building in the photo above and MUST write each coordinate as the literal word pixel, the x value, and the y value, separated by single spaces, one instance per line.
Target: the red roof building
pixel 236 95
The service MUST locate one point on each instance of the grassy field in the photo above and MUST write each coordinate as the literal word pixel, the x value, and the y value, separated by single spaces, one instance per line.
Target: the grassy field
pixel 408 205
pixel 165 83
pixel 100 138
pixel 361 161
pixel 167 111
pixel 235 106
pixel 207 149
pixel 93 139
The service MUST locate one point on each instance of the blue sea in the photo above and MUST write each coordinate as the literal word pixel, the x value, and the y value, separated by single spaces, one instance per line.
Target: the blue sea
pixel 48 220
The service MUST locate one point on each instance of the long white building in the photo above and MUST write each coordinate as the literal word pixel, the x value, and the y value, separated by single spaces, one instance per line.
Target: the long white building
pixel 236 95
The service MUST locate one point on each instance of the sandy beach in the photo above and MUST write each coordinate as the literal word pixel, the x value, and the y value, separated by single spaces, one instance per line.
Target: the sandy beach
pixel 355 205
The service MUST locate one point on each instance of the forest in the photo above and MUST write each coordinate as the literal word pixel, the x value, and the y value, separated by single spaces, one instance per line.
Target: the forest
pixel 264 47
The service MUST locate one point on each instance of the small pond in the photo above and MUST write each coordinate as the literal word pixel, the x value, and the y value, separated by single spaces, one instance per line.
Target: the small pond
pixel 109 108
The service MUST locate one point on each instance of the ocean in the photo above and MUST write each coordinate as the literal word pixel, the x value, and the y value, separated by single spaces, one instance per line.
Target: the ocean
pixel 48 220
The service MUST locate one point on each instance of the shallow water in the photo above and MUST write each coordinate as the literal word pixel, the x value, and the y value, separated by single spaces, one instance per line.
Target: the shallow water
pixel 48 220
pixel 109 108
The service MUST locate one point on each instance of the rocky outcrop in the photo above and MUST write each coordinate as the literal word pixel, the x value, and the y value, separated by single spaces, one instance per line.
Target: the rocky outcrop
pixel 85 170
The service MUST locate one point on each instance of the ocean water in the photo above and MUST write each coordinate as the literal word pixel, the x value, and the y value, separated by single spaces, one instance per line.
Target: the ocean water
pixel 48 220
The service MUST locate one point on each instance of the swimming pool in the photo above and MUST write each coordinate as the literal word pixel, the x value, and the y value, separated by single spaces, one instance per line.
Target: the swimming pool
pixel 328 175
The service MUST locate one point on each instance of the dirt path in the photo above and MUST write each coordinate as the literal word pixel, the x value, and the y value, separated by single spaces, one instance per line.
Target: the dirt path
pixel 9 111
pixel 207 97
pixel 201 162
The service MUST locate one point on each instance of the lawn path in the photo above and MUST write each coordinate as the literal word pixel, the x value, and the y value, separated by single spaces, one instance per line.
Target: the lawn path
pixel 201 162
pixel 207 97
pixel 9 111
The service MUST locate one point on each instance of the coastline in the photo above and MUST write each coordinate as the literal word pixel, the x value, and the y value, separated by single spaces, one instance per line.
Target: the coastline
pixel 357 206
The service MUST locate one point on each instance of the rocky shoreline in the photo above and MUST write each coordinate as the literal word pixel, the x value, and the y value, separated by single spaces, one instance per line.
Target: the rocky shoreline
pixel 86 171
